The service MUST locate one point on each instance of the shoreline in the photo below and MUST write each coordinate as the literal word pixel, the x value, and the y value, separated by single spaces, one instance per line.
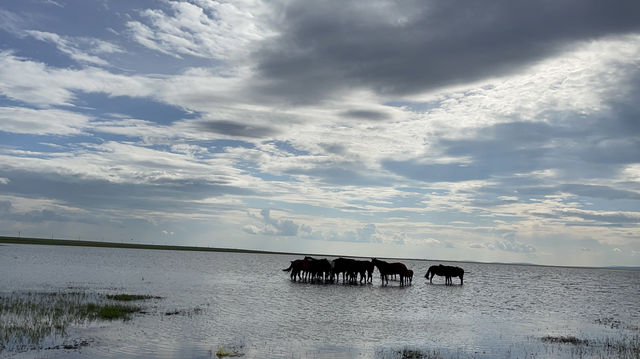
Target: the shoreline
pixel 81 243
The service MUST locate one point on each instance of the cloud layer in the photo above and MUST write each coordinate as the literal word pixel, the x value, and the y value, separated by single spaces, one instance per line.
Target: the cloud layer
pixel 500 132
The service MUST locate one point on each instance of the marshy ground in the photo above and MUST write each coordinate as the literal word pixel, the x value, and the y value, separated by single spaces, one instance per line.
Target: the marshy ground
pixel 88 302
pixel 39 320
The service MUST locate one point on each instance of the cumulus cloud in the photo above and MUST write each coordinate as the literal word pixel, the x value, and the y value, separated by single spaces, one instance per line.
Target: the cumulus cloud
pixel 368 233
pixel 509 243
pixel 276 227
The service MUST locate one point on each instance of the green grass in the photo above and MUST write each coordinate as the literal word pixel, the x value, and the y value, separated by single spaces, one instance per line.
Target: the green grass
pixel 418 354
pixel 130 297
pixel 111 312
pixel 626 346
pixel 28 318
pixel 564 339
pixel 222 352
pixel 413 353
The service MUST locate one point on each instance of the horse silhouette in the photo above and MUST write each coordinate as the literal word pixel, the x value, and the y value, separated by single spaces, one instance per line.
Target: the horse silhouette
pixel 386 269
pixel 317 269
pixel 408 277
pixel 309 269
pixel 296 268
pixel 350 269
pixel 445 271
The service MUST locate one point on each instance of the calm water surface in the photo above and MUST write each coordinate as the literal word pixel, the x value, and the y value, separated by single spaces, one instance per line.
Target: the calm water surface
pixel 245 301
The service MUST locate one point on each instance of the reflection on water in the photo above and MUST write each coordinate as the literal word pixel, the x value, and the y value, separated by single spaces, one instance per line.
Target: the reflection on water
pixel 245 301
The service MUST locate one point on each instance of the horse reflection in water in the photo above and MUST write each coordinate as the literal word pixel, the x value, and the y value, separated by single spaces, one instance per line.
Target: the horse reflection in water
pixel 445 271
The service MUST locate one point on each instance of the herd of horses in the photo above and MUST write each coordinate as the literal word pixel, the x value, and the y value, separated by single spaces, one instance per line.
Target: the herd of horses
pixel 355 271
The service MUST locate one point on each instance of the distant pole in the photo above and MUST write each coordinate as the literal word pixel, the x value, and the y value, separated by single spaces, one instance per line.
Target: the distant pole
pixel 18 234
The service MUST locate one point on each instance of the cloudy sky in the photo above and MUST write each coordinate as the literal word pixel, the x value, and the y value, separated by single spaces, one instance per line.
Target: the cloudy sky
pixel 491 131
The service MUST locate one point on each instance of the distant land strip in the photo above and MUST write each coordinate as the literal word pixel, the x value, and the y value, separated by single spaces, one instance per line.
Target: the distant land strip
pixel 79 243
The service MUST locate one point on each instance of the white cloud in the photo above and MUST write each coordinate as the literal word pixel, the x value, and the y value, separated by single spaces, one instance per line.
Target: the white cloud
pixel 42 122
pixel 40 85
pixel 220 30
pixel 276 227
pixel 126 163
pixel 81 49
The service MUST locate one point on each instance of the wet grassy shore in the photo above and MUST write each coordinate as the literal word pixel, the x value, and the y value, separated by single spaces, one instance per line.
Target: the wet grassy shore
pixel 40 320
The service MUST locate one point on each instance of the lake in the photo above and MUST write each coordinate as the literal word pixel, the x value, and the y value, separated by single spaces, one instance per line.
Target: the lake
pixel 213 300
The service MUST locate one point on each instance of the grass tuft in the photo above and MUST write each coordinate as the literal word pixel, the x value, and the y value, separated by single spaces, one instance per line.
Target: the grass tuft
pixel 130 297
pixel 221 353
pixel 566 340
pixel 111 312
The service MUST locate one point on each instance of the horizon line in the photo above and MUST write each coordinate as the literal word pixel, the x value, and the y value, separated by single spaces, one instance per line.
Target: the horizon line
pixel 106 244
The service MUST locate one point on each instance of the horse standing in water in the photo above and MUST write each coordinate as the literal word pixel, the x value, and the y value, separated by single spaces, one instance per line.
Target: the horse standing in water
pixel 445 271
pixel 408 277
pixel 296 268
pixel 387 269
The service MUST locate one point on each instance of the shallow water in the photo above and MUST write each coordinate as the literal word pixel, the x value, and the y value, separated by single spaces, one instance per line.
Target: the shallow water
pixel 245 302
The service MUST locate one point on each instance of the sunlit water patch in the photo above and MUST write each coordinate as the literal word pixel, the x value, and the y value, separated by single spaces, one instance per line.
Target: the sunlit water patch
pixel 244 303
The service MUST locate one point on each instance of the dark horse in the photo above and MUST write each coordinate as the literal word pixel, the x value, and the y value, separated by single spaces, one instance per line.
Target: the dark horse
pixel 297 268
pixel 445 271
pixel 387 269
pixel 310 269
pixel 350 268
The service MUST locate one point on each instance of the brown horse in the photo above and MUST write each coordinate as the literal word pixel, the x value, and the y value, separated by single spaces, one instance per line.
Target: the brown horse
pixel 317 269
pixel 309 269
pixel 445 271
pixel 387 269
pixel 408 276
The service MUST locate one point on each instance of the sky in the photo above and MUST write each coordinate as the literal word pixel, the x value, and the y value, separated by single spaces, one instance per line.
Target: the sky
pixel 500 131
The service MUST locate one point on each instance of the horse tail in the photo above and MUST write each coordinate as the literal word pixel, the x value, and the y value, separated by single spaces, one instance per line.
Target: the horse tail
pixel 288 269
pixel 428 271
pixel 461 275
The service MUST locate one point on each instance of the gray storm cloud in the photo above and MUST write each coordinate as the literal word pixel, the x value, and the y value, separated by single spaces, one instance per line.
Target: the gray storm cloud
pixel 325 48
